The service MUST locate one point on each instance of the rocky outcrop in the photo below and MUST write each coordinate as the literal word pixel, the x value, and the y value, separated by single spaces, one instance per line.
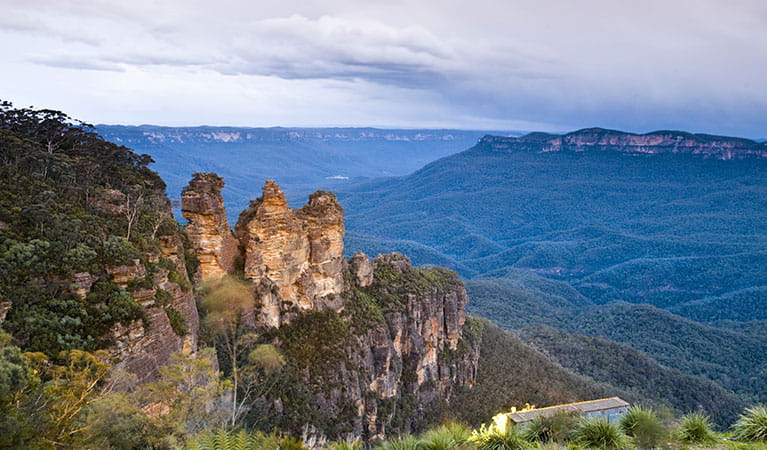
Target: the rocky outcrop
pixel 406 353
pixel 375 344
pixel 598 139
pixel 164 291
pixel 362 269
pixel 297 253
pixel 208 229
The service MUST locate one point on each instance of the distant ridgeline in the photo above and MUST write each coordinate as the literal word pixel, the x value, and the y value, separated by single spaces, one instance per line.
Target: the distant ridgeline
pixel 549 227
pixel 302 159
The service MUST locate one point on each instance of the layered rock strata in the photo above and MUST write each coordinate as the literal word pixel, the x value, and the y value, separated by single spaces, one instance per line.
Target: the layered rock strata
pixel 297 253
pixel 598 139
pixel 377 344
pixel 203 206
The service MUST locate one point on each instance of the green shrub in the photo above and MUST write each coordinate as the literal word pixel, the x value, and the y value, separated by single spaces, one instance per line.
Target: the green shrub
pixel 554 428
pixel 177 322
pixel 644 426
pixel 695 428
pixel 403 442
pixel 498 438
pixel 182 282
pixel 597 432
pixel 162 297
pixel 344 445
pixel 751 425
pixel 440 438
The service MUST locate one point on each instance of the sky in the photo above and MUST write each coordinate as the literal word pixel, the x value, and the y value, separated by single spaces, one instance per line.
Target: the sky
pixel 550 65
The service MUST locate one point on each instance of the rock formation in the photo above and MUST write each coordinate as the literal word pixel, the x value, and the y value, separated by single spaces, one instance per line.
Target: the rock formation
pixel 375 344
pixel 203 206
pixel 298 253
pixel 719 147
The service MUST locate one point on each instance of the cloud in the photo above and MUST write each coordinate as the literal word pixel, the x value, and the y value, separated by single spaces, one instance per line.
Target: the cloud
pixel 692 64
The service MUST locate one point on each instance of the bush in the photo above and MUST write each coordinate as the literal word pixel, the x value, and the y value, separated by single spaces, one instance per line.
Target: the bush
pixel 404 442
pixel 695 428
pixel 344 445
pixel 498 438
pixel 752 425
pixel 555 428
pixel 440 438
pixel 597 432
pixel 177 322
pixel 644 426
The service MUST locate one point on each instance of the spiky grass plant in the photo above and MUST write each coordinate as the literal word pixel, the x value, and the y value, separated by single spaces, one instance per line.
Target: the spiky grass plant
pixel 345 445
pixel 439 438
pixel 554 428
pixel 644 426
pixel 597 432
pixel 497 437
pixel 695 428
pixel 403 442
pixel 751 425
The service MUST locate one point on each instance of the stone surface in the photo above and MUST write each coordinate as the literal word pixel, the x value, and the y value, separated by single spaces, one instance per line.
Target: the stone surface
pixel 208 229
pixel 140 349
pixel 406 352
pixel 362 268
pixel 299 252
pixel 719 147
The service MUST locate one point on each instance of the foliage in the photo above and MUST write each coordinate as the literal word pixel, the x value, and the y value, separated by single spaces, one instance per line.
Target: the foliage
pixel 500 383
pixel 177 321
pixel 64 194
pixel 444 437
pixel 401 442
pixel 695 428
pixel 644 426
pixel 498 437
pixel 554 428
pixel 641 378
pixel 597 432
pixel 752 425
pixel 224 302
pixel 345 445
pixel 234 440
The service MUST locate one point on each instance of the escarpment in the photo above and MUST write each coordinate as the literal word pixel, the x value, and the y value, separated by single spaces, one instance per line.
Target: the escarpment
pixel 656 142
pixel 376 345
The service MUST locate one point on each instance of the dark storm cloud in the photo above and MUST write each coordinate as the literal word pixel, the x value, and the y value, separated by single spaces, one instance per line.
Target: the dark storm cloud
pixel 694 64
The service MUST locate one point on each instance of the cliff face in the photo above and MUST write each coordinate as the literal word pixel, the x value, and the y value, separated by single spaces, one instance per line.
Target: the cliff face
pixel 297 253
pixel 376 345
pixel 598 139
pixel 208 230
pixel 162 288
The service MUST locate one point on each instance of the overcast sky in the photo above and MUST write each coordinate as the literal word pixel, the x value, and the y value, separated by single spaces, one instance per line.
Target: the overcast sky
pixel 554 65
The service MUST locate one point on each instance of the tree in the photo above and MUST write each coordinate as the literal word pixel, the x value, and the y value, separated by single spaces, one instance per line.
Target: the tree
pixel 225 302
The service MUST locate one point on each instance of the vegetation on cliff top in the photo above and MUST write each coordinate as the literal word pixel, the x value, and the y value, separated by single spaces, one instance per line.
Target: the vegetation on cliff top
pixel 71 203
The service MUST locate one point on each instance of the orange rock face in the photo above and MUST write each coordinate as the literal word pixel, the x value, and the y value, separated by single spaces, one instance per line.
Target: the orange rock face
pixel 297 252
pixel 208 228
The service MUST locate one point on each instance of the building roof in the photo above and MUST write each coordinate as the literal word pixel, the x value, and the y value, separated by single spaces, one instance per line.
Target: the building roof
pixel 576 408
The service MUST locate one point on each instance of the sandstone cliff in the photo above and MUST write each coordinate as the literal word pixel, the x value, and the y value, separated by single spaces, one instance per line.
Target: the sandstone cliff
pixel 208 230
pixel 297 253
pixel 598 139
pixel 173 323
pixel 372 346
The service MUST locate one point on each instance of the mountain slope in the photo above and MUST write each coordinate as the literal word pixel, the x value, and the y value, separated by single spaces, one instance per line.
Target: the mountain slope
pixel 643 378
pixel 662 223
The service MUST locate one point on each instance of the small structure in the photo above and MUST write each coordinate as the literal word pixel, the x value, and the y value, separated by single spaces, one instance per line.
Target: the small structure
pixel 610 408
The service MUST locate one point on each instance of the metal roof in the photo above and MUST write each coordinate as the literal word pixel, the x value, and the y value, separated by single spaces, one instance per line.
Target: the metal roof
pixel 576 408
